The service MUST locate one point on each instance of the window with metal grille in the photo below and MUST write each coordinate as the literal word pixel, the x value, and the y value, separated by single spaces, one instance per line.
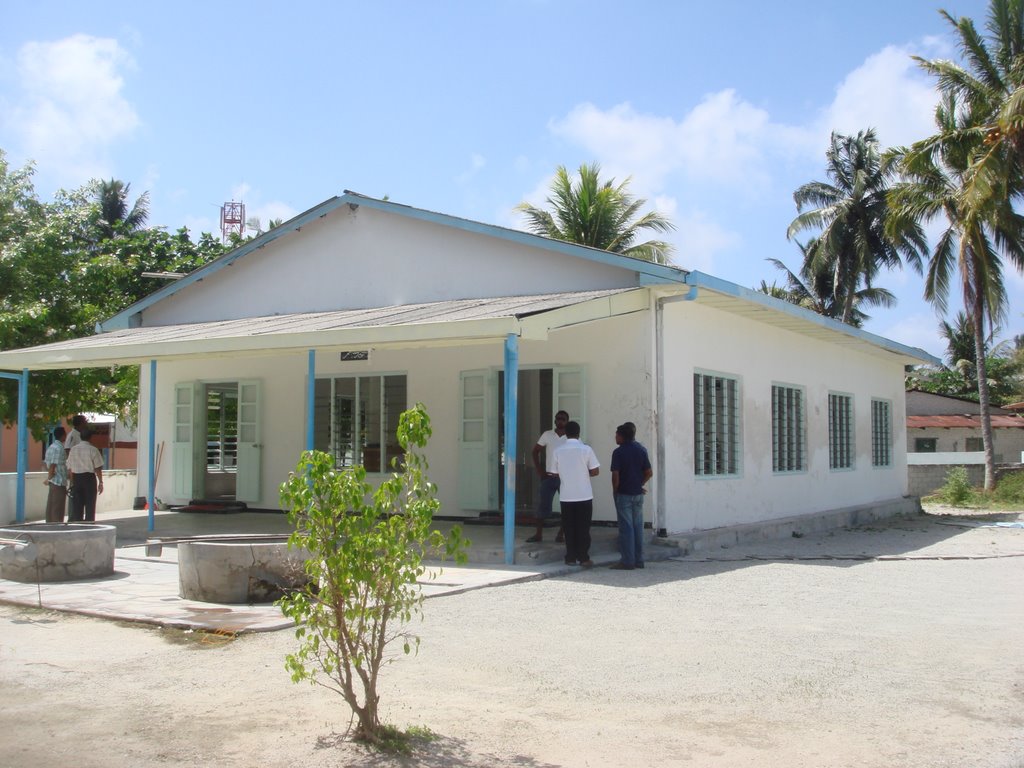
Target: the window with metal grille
pixel 356 417
pixel 881 433
pixel 789 436
pixel 840 431
pixel 716 418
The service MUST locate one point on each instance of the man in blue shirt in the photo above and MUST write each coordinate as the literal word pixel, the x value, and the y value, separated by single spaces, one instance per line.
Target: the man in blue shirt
pixel 631 469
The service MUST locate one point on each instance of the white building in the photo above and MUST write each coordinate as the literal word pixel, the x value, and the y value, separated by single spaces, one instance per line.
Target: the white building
pixel 323 330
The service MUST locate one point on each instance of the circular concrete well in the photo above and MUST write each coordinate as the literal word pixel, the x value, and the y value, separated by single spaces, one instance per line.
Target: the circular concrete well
pixel 239 569
pixel 57 551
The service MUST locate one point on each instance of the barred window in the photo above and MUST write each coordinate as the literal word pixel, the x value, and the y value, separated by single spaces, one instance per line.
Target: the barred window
pixel 716 418
pixel 881 433
pixel 789 435
pixel 355 419
pixel 840 431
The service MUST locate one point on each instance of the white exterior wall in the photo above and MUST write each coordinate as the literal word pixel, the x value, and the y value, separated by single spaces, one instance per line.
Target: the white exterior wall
pixel 1008 443
pixel 366 258
pixel 701 338
pixel 614 352
pixel 618 360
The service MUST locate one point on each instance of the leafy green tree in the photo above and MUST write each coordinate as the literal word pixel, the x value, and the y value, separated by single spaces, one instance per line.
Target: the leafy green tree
pixel 60 275
pixel 366 552
pixel 1004 380
pixel 859 234
pixel 588 211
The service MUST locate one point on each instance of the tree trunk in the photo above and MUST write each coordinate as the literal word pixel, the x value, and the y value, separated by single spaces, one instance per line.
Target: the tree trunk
pixel 978 321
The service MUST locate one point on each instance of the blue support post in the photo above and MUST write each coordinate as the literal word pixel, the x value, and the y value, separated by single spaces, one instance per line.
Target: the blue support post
pixel 310 397
pixel 152 445
pixel 511 419
pixel 22 445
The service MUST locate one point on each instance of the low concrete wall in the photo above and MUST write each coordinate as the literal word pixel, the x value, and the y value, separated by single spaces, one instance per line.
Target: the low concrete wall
pixel 926 479
pixel 239 569
pixel 119 492
pixel 784 528
pixel 57 552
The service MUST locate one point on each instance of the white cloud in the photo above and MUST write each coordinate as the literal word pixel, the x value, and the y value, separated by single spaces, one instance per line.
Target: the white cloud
pixel 722 140
pixel 72 108
pixel 917 330
pixel 888 92
pixel 699 239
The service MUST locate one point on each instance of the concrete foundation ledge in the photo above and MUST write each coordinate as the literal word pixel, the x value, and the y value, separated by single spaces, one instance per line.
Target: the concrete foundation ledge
pixel 57 552
pixel 786 527
pixel 239 570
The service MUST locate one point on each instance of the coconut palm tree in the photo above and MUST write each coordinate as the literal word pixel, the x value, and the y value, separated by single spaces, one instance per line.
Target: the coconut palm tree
pixel 989 87
pixel 600 214
pixel 858 233
pixel 816 290
pixel 115 215
pixel 959 336
pixel 979 231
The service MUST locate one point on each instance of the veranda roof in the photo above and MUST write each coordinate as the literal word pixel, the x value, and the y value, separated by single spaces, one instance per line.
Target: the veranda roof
pixel 407 325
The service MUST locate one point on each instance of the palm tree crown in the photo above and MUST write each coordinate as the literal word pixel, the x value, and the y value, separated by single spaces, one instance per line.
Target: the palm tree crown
pixel 600 214
pixel 858 233
pixel 814 290
pixel 114 213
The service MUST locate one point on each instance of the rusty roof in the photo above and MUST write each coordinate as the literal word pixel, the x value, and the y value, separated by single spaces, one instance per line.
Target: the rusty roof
pixel 963 422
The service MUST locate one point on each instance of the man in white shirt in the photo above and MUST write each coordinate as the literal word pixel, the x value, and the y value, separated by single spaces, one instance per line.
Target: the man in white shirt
pixel 85 466
pixel 575 464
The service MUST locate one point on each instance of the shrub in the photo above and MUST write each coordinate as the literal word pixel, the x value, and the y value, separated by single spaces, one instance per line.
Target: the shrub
pixel 367 550
pixel 1010 489
pixel 957 488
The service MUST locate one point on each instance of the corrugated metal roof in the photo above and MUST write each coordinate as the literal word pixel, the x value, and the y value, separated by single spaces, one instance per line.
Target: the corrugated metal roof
pixel 963 422
pixel 446 321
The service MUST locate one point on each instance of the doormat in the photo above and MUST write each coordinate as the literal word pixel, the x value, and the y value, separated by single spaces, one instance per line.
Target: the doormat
pixel 212 507
pixel 554 521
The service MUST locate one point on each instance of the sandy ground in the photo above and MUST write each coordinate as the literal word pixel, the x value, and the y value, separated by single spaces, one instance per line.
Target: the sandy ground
pixel 914 659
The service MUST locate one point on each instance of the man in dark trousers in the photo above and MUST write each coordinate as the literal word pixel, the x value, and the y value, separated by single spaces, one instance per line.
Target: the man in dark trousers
pixel 631 469
pixel 85 466
pixel 546 445
pixel 575 464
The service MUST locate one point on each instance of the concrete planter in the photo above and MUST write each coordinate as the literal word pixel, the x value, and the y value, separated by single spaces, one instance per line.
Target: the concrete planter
pixel 239 569
pixel 57 552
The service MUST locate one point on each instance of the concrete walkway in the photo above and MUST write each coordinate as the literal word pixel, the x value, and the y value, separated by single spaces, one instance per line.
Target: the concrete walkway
pixel 145 588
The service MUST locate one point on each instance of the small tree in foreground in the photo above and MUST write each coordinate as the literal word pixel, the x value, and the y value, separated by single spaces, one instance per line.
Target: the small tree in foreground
pixel 366 550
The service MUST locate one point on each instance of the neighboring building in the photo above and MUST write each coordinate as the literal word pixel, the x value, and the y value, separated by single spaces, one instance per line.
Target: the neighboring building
pixel 944 431
pixel 323 330
pixel 116 441
pixel 947 424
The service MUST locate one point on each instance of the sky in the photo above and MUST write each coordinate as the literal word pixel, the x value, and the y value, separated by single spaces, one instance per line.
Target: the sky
pixel 715 111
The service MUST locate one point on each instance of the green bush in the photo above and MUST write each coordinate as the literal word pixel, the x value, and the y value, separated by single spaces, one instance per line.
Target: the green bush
pixel 957 490
pixel 1010 489
pixel 367 548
